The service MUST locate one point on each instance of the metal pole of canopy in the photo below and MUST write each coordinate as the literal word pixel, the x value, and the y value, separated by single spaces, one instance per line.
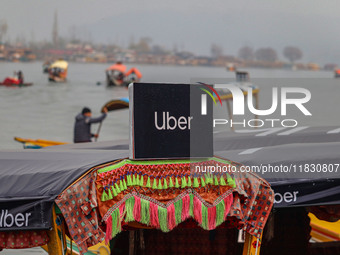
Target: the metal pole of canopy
pixel 141 241
pixel 131 242
pixel 256 96
pixel 252 245
pixel 54 244
pixel 99 127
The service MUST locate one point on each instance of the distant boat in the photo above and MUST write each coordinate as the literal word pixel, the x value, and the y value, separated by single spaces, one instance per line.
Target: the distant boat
pixel 231 67
pixel 337 73
pixel 46 66
pixel 116 75
pixel 14 82
pixel 313 67
pixel 57 71
pixel 16 85
pixel 36 143
pixel 242 76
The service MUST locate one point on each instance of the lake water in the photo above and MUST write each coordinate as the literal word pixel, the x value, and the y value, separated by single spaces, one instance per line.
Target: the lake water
pixel 46 110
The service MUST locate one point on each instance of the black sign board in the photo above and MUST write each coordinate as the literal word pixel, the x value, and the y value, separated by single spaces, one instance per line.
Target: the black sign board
pixel 30 214
pixel 168 121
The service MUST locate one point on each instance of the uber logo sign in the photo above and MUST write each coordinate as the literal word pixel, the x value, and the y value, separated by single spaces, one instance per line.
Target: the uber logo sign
pixel 166 121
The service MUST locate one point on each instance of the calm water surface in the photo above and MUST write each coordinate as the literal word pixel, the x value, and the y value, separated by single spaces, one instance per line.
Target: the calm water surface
pixel 47 110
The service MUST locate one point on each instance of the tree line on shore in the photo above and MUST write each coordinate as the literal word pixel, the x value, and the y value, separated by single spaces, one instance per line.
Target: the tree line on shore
pixel 248 56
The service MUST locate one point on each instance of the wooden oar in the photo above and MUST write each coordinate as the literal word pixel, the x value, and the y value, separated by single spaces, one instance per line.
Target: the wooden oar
pixel 99 127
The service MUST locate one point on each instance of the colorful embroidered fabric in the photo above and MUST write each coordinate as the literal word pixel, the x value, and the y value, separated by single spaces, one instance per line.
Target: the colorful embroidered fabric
pixel 23 239
pixel 250 213
pixel 163 194
pixel 78 205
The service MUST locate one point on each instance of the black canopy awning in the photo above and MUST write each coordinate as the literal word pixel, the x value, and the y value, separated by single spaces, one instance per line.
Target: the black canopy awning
pixel 302 164
pixel 30 180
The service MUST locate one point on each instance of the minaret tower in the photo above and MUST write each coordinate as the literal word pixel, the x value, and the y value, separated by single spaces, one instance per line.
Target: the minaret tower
pixel 55 37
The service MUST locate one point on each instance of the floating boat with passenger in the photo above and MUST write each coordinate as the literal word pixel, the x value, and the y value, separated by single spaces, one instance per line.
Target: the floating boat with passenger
pixel 57 71
pixel 116 75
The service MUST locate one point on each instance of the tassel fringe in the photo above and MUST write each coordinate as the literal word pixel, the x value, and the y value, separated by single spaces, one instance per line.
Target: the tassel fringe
pixel 183 182
pixel 167 217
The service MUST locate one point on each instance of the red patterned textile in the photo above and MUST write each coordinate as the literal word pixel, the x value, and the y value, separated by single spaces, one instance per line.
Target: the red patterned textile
pixel 253 201
pixel 78 205
pixel 23 239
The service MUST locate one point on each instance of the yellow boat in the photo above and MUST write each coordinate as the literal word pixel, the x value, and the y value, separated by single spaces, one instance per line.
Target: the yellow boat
pixel 57 71
pixel 72 249
pixel 112 105
pixel 324 231
pixel 36 143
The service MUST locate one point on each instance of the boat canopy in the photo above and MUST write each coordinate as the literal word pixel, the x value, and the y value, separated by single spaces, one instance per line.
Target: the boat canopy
pixel 118 67
pixel 301 161
pixel 59 64
pixel 116 104
pixel 135 71
pixel 30 180
pixel 312 145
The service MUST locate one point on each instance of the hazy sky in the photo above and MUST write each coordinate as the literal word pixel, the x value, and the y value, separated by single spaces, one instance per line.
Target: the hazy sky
pixel 191 25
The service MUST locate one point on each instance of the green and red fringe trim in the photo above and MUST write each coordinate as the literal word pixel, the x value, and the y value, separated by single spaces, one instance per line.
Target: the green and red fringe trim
pixel 149 211
pixel 134 179
pixel 160 175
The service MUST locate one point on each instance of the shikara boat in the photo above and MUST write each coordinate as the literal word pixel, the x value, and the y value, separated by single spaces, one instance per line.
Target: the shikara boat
pixel 296 193
pixel 57 71
pixel 337 73
pixel 231 67
pixel 117 104
pixel 133 196
pixel 36 143
pixel 324 231
pixel 162 206
pixel 133 75
pixel 112 105
pixel 16 85
pixel 53 190
pixel 14 82
pixel 45 66
pixel 116 75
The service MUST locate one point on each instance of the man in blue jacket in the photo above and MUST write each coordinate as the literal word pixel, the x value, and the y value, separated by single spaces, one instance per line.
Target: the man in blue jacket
pixel 82 126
